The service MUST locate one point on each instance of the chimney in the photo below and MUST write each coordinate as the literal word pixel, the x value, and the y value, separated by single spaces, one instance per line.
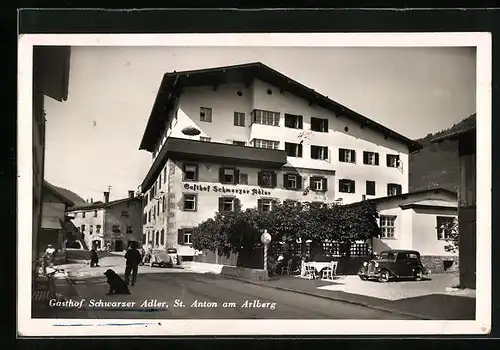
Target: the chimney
pixel 106 197
pixel 131 194
pixel 91 200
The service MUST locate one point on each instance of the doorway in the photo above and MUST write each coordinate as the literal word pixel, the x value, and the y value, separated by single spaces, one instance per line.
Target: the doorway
pixel 118 245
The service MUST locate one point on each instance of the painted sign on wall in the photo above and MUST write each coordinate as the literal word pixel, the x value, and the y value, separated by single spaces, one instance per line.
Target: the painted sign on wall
pixel 226 189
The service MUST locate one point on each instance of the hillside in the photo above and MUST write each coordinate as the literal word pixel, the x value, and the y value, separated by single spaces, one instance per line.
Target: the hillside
pixel 437 164
pixel 72 196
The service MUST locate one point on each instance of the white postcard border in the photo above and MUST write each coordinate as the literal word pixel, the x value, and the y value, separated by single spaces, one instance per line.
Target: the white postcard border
pixel 126 327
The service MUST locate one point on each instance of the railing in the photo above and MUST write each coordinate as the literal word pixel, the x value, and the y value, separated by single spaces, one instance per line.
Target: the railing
pixel 330 249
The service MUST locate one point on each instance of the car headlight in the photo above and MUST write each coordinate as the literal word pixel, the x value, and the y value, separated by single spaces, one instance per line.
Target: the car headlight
pixel 376 264
pixel 365 263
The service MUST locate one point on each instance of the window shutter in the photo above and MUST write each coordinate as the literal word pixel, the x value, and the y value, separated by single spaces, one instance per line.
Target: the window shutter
pixel 326 124
pixel 311 184
pixel 259 204
pixel 236 119
pixel 301 122
pixel 376 158
pixel 341 158
pixel 197 174
pixel 259 178
pixel 365 158
pixel 237 204
pixel 285 182
pixel 180 236
pixel 400 189
pixel 353 186
pixel 273 179
pixel 299 150
pixel 221 204
pixel 353 153
pixel 325 184
pixel 388 159
pixel 221 174
pixel 388 189
pixel 299 182
pixel 236 176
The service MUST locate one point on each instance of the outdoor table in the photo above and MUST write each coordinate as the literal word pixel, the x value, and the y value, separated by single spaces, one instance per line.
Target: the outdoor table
pixel 318 266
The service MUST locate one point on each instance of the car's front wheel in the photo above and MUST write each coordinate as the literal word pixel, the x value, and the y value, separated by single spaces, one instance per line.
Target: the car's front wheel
pixel 418 274
pixel 384 276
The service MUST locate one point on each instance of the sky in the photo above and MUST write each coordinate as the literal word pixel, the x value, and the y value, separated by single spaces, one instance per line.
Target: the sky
pixel 92 139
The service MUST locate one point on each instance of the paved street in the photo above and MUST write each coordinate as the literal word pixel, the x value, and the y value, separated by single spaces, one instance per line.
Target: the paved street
pixel 210 293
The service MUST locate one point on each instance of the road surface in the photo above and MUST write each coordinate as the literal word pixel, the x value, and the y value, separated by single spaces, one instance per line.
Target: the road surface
pixel 187 295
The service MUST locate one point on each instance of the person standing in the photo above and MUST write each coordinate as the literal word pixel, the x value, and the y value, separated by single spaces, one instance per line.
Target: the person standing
pixel 94 258
pixel 132 265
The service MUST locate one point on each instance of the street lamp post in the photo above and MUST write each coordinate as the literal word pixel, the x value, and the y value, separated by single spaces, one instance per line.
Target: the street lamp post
pixel 266 239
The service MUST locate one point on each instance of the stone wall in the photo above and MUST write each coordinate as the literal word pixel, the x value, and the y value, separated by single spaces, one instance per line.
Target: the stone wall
pixel 440 264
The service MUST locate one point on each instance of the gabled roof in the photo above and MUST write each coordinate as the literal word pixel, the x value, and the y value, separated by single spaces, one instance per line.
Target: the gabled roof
pixel 55 191
pixel 100 205
pixel 172 84
pixel 66 195
pixel 465 126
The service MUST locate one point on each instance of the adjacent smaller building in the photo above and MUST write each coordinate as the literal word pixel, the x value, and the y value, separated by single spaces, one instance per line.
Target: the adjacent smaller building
pixel 418 221
pixel 116 223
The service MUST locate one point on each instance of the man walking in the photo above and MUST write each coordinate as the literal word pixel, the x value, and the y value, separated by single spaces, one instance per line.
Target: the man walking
pixel 133 260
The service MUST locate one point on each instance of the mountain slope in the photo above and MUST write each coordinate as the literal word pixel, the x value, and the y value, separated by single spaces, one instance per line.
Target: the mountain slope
pixel 72 196
pixel 437 164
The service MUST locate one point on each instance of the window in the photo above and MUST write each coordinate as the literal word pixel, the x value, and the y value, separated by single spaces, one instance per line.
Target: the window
pixel 190 172
pixel 98 229
pixel 244 179
pixel 124 214
pixel 95 213
pixel 266 117
pixel 187 237
pixel 149 215
pixel 387 225
pixel 347 155
pixel 264 204
pixel 227 204
pixel 239 143
pixel 157 238
pixel 319 152
pixel 162 237
pixel 347 186
pixel 292 181
pixel 370 188
pixel 145 218
pixel 293 149
pixel 164 204
pixel 206 114
pixel 205 139
pixel 392 160
pixel 83 214
pixel 394 189
pixel 115 228
pixel 129 229
pixel 319 124
pixel 189 202
pixel 159 181
pixel 158 209
pixel 293 121
pixel 266 179
pixel 83 228
pixel 444 226
pixel 91 229
pixel 229 175
pixel 265 144
pixel 239 119
pixel 318 183
pixel 370 158
pixel 165 174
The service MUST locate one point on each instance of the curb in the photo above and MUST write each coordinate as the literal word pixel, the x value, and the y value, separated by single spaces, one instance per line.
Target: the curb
pixel 357 303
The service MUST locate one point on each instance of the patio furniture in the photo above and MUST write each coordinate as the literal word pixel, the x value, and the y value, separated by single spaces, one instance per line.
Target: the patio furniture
pixel 310 271
pixel 286 269
pixel 330 271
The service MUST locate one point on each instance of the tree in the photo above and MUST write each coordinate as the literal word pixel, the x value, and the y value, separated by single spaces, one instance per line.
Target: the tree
pixel 452 234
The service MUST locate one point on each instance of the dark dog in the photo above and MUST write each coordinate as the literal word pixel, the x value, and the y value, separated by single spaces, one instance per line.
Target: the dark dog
pixel 116 284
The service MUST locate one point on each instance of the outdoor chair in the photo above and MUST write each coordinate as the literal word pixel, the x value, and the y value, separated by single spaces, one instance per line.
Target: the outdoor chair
pixel 331 271
pixel 310 271
pixel 286 269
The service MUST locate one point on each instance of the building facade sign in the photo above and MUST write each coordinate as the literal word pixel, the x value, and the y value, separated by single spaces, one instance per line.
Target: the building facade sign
pixel 225 189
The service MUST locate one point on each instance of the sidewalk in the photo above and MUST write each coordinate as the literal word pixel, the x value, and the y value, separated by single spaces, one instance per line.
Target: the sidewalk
pixel 420 299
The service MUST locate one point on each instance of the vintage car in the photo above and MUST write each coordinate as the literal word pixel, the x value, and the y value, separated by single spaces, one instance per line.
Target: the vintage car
pixel 172 252
pixel 160 258
pixel 393 264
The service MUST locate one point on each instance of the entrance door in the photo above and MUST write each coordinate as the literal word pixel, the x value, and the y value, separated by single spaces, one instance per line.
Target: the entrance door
pixel 118 245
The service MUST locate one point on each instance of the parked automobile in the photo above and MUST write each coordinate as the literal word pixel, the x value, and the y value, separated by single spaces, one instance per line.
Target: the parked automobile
pixel 172 252
pixel 393 264
pixel 160 258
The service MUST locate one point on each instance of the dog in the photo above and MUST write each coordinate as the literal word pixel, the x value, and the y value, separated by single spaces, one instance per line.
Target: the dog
pixel 116 284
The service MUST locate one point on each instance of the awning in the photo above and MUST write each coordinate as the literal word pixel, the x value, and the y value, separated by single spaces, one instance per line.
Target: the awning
pixel 50 223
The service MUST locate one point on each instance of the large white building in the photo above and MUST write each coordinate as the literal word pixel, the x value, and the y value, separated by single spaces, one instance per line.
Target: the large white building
pixel 247 135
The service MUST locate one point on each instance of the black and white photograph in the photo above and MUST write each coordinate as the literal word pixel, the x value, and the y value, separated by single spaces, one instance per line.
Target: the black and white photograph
pixel 254 184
